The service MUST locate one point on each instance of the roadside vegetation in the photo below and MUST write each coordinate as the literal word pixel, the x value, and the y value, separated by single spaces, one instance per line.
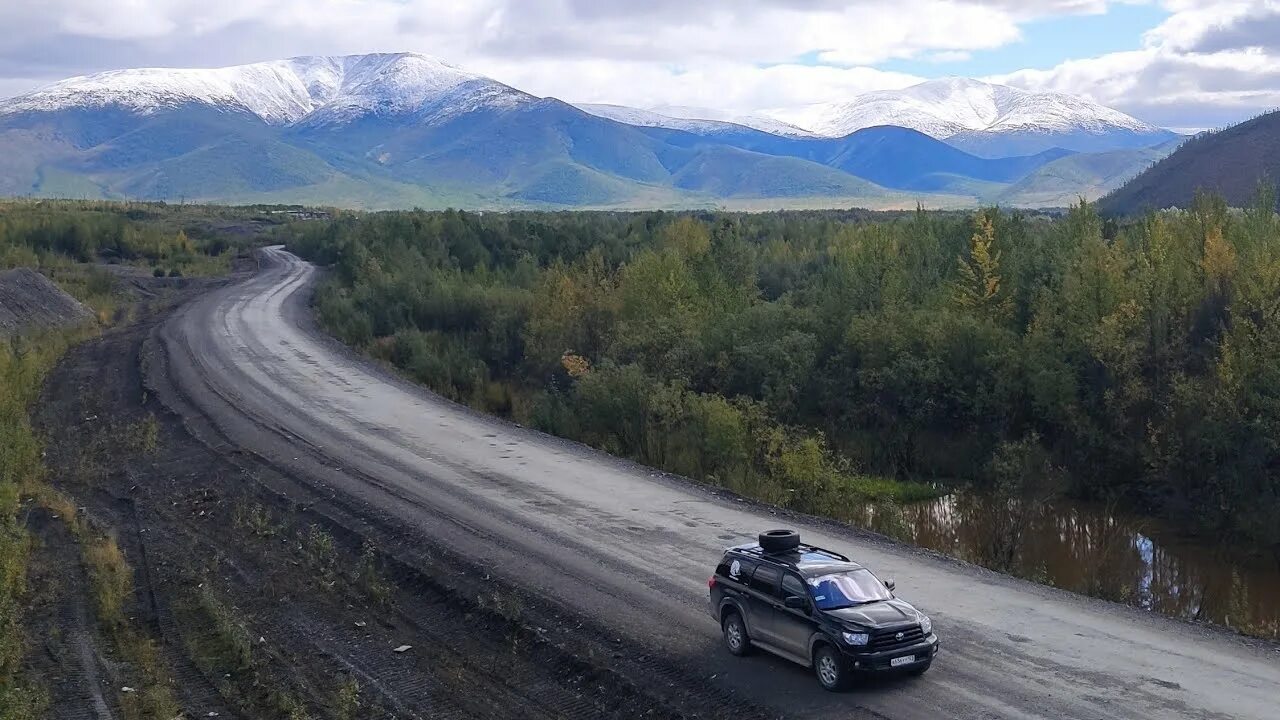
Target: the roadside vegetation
pixel 59 236
pixel 585 325
pixel 24 363
pixel 814 359
pixel 70 242
pixel 22 369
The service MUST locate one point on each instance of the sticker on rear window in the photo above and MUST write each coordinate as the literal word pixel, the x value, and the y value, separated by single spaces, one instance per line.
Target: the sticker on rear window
pixel 735 569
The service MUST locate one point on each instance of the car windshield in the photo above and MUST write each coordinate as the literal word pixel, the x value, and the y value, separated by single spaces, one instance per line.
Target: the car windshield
pixel 846 589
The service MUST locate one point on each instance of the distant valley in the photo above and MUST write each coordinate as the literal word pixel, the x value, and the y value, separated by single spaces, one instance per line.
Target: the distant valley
pixel 404 130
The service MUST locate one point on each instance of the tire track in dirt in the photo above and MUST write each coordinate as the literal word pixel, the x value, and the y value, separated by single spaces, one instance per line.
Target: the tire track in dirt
pixel 66 659
pixel 481 648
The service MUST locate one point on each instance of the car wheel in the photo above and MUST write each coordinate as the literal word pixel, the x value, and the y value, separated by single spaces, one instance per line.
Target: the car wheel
pixel 735 635
pixel 830 668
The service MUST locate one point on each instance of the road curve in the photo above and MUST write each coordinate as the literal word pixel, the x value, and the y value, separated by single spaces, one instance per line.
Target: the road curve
pixel 632 548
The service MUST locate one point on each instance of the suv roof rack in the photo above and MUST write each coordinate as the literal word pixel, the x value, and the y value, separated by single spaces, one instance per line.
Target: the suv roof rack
pixel 801 549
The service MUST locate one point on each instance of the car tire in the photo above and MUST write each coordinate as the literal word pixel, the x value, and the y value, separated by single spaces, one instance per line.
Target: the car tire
pixel 830 668
pixel 776 541
pixel 736 638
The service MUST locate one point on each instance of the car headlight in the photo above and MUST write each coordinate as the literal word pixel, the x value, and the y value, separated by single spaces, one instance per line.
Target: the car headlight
pixel 856 638
pixel 926 624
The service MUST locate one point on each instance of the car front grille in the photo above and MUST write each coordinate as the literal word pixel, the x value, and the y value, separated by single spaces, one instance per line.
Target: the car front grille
pixel 897 638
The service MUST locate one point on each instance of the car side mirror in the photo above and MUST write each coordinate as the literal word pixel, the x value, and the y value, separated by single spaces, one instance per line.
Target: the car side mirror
pixel 794 603
pixel 890 584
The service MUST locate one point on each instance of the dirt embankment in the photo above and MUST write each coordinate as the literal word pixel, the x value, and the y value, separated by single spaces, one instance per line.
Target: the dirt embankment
pixel 268 598
pixel 31 301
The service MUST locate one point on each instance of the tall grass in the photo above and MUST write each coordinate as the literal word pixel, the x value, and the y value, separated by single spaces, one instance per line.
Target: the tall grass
pixel 23 365
pixel 112 585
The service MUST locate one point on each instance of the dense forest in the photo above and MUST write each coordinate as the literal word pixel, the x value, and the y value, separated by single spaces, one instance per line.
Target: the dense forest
pixel 818 358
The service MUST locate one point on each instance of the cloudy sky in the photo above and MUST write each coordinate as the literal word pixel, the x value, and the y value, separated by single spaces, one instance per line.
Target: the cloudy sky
pixel 1178 63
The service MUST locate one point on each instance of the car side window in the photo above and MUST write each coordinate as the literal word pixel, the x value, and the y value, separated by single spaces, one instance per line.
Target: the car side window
pixel 765 580
pixel 737 569
pixel 793 585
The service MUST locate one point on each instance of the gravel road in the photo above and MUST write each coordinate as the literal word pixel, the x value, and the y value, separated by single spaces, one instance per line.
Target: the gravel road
pixel 631 548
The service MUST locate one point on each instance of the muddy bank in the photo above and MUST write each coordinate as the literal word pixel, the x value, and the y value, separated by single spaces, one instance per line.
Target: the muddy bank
pixel 1096 550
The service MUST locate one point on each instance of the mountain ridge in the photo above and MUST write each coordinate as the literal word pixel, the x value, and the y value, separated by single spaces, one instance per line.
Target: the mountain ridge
pixel 279 92
pixel 985 119
pixel 1231 162
pixel 947 106
pixel 405 126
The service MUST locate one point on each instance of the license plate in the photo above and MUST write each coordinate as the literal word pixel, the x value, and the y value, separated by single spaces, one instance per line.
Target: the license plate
pixel 905 660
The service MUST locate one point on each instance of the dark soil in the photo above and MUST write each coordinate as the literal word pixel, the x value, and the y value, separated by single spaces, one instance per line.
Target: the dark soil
pixel 31 301
pixel 268 600
pixel 66 657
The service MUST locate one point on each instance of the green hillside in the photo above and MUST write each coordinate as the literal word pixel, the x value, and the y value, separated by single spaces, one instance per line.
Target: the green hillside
pixel 727 172
pixel 1229 162
pixel 1065 180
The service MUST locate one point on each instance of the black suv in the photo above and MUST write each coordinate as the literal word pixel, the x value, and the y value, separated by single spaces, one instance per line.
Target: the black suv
pixel 818 608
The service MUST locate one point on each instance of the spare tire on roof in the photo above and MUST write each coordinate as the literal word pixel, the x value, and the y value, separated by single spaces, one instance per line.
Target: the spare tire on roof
pixel 775 541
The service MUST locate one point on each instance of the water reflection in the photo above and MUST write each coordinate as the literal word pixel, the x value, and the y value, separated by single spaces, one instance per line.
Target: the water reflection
pixel 1094 550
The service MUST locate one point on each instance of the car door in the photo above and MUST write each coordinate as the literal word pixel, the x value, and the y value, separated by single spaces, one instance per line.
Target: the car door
pixel 735 572
pixel 763 597
pixel 792 627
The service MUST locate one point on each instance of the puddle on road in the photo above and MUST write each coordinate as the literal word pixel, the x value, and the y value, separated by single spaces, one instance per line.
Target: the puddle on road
pixel 1099 552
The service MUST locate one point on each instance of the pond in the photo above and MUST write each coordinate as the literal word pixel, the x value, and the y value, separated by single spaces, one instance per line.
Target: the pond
pixel 1098 551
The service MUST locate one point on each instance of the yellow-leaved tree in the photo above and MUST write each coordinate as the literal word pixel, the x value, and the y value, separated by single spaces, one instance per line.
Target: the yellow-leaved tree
pixel 1219 259
pixel 978 287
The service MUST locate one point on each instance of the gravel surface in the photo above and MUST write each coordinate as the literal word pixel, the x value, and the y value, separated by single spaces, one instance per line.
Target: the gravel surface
pixel 267 597
pixel 31 301
pixel 630 549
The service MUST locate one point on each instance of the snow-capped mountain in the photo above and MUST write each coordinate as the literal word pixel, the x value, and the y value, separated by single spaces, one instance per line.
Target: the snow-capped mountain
pixel 648 118
pixel 282 92
pixel 946 107
pixel 755 121
pixel 394 130
pixel 369 130
pixel 982 118
pixel 696 120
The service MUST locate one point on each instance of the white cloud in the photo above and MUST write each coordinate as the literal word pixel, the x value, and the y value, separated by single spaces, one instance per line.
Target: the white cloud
pixel 739 87
pixel 1207 60
pixel 1192 19
pixel 1208 65
pixel 733 53
pixel 16 86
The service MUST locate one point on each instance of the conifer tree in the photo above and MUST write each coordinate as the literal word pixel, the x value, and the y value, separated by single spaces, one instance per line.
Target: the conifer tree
pixel 978 287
